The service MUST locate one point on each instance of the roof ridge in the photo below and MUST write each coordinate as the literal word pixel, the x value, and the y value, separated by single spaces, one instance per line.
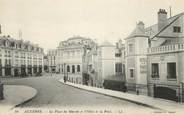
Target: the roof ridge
pixel 166 27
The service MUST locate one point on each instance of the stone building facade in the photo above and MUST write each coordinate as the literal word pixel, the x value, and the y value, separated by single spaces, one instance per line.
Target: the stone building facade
pixel 136 45
pixel 155 58
pixel 52 60
pixel 20 58
pixel 70 58
pixel 105 62
pixel 166 57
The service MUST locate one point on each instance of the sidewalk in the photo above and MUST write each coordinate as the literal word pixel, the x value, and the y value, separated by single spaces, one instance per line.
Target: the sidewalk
pixel 157 103
pixel 15 95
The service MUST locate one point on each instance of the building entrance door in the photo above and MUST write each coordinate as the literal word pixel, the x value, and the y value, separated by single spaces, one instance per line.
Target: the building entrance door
pixel 7 71
pixel 35 70
pixel 16 73
pixel 23 71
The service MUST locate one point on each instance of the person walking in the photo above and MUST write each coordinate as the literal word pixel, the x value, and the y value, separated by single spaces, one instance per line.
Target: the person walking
pixel 64 79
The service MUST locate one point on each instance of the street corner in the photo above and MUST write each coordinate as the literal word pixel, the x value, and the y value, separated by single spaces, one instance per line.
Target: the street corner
pixel 15 95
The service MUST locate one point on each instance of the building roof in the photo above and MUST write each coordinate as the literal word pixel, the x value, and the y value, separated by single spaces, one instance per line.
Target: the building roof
pixel 78 37
pixel 106 44
pixel 11 40
pixel 138 31
pixel 173 41
pixel 152 31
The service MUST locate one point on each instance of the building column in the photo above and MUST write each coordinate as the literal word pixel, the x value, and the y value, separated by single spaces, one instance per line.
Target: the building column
pixel 37 69
pixel 19 71
pixel 3 72
pixel 43 69
pixel 26 70
pixel 12 71
pixel 32 70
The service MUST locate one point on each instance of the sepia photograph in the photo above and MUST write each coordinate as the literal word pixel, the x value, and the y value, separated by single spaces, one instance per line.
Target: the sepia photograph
pixel 91 57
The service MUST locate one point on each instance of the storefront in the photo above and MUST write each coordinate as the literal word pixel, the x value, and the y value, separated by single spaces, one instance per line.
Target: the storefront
pixel 23 70
pixel 7 70
pixel 29 69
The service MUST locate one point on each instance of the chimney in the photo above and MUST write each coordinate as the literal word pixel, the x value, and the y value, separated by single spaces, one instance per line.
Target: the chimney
pixel 162 19
pixel 140 25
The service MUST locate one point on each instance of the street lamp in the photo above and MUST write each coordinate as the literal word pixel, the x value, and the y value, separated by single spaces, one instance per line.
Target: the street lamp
pixel 181 95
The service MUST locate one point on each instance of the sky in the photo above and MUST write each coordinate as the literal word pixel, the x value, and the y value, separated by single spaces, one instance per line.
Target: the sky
pixel 47 22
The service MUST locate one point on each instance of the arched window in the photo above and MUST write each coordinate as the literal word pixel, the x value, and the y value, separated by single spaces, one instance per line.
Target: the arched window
pixel 73 69
pixel 68 68
pixel 78 68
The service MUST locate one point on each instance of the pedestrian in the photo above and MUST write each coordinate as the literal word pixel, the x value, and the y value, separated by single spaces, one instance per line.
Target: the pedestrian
pixel 64 79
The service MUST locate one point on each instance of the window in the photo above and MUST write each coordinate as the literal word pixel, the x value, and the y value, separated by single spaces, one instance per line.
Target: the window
pixel 78 68
pixel 154 70
pixel 68 55
pixel 131 73
pixel 118 68
pixel 118 55
pixel 68 68
pixel 6 62
pixel 177 29
pixel 73 54
pixel 9 62
pixel 130 47
pixel 171 70
pixel 73 69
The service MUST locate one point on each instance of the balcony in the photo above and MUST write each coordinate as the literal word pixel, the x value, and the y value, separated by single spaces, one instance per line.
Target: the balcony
pixel 155 76
pixel 166 49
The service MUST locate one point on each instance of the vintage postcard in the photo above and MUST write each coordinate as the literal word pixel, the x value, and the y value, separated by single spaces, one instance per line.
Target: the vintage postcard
pixel 78 57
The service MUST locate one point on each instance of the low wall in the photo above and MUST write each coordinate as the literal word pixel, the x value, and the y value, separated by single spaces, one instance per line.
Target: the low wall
pixel 1 91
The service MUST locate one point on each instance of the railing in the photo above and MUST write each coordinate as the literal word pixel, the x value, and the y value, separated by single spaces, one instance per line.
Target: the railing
pixel 174 92
pixel 1 91
pixel 154 76
pixel 166 49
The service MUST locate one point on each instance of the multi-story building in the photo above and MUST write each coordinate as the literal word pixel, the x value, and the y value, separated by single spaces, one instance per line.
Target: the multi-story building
pixel 158 71
pixel 166 57
pixel 46 63
pixel 105 62
pixel 70 55
pixel 19 58
pixel 52 60
pixel 120 60
pixel 136 45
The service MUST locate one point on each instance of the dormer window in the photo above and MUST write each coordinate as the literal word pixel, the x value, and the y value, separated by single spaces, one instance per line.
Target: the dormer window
pixel 177 29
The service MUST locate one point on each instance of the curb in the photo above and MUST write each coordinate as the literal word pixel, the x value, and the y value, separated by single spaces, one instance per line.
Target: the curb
pixel 138 103
pixel 17 105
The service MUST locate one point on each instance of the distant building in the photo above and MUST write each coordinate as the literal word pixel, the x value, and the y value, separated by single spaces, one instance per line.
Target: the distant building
pixel 105 62
pixel 19 58
pixel 70 55
pixel 52 55
pixel 46 63
pixel 120 60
